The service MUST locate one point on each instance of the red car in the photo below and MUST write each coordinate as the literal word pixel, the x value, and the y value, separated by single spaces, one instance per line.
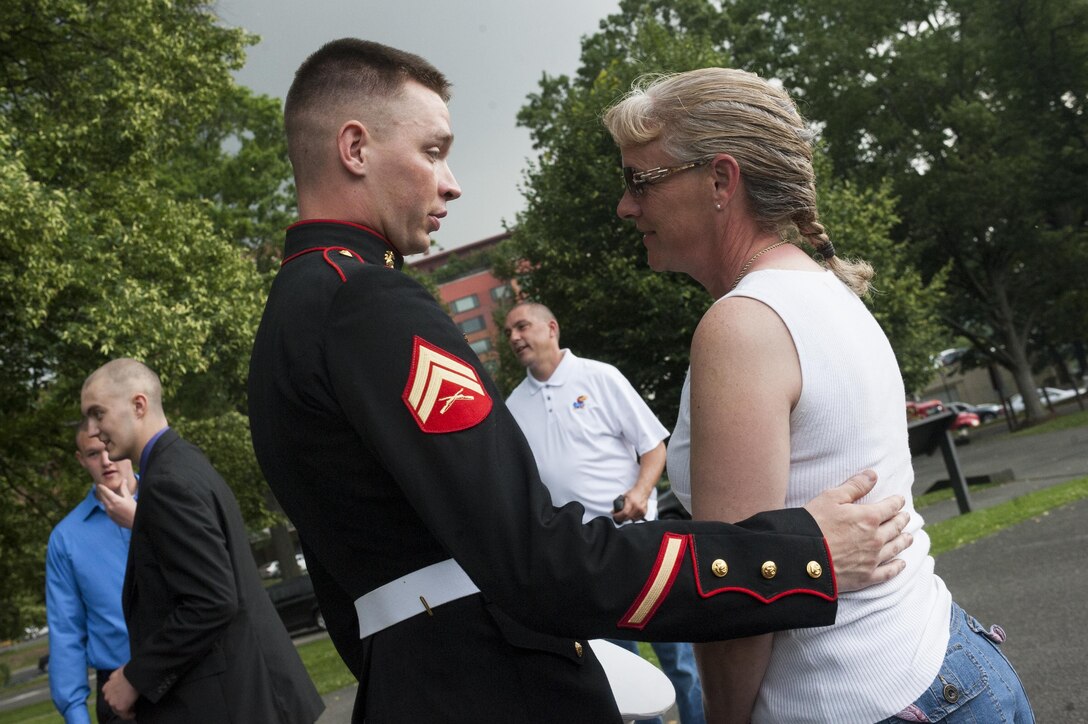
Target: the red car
pixel 961 425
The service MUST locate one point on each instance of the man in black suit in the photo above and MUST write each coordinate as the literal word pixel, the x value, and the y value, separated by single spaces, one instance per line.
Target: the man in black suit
pixel 206 643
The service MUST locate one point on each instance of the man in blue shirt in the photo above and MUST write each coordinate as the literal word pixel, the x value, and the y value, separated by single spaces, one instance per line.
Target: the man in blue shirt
pixel 84 573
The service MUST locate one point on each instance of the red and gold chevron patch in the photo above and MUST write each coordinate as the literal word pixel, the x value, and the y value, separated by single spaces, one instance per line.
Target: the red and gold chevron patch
pixel 444 393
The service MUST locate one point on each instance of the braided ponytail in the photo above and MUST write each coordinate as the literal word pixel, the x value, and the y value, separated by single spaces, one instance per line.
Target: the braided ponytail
pixel 855 274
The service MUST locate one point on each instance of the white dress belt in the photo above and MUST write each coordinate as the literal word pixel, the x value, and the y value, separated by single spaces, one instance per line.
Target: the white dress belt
pixel 416 593
pixel 641 690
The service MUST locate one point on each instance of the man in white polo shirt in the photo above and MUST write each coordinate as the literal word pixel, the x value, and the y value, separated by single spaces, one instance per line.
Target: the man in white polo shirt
pixel 596 442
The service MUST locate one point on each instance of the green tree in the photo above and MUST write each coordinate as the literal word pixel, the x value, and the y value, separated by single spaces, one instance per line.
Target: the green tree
pixel 248 192
pixel 589 266
pixel 114 242
pixel 976 111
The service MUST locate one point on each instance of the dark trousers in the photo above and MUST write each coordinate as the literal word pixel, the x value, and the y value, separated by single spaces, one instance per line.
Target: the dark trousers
pixel 105 714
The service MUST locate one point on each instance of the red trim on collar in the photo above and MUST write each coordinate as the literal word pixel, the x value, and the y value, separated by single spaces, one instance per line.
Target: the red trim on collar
pixel 325 255
pixel 367 229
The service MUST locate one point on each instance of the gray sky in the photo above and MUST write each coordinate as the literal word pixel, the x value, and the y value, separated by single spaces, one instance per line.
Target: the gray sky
pixel 493 51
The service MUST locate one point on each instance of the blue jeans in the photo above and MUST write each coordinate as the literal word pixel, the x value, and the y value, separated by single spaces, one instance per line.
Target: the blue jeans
pixel 678 663
pixel 976 682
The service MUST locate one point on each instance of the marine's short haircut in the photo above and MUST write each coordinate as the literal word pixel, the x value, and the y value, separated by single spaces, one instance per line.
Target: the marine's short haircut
pixel 348 74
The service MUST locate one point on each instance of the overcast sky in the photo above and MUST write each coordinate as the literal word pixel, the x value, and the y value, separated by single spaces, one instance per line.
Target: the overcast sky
pixel 493 51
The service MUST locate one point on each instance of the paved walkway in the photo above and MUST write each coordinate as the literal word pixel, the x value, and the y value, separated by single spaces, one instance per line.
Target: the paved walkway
pixel 1032 579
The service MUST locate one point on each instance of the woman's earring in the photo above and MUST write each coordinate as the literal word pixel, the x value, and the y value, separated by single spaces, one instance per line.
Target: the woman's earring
pixel 718 207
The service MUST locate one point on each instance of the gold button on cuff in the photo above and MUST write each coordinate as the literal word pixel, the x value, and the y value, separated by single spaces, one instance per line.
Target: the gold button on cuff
pixel 814 569
pixel 719 568
pixel 578 649
pixel 769 570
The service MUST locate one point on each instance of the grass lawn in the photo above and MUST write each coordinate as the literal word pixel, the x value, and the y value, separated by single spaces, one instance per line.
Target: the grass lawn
pixel 955 532
pixel 320 658
pixel 1063 422
pixel 41 713
pixel 325 666
pixel 25 655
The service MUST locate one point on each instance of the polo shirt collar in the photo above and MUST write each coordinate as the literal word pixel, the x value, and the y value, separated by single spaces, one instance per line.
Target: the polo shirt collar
pixel 563 370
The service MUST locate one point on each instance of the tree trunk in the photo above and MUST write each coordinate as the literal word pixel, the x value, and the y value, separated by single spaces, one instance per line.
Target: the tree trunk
pixel 284 547
pixel 282 543
pixel 1016 349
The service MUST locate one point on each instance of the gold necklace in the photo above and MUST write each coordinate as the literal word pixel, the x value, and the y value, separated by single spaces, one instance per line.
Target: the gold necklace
pixel 744 269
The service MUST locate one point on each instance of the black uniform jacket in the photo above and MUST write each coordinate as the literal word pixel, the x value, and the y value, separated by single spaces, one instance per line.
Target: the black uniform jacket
pixel 389 447
pixel 207 645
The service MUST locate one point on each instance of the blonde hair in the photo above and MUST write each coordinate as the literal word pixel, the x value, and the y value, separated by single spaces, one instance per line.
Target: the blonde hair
pixel 701 113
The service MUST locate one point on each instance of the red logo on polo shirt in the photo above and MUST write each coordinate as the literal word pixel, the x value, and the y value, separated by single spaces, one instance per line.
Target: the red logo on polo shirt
pixel 444 393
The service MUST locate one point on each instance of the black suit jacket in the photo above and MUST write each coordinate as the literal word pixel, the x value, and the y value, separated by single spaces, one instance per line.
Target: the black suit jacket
pixel 207 645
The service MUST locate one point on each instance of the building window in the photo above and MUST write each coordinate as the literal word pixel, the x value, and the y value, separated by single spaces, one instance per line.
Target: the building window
pixel 481 346
pixel 500 293
pixel 475 324
pixel 465 303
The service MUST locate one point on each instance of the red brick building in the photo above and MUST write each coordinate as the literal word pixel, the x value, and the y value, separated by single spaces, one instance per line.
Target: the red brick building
pixel 473 294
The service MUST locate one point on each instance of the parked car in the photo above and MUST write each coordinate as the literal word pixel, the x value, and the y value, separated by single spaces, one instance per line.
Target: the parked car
pixel 986 412
pixel 296 604
pixel 961 426
pixel 1054 394
pixel 272 568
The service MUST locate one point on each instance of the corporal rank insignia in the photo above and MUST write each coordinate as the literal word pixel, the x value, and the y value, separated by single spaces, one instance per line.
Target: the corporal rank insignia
pixel 443 392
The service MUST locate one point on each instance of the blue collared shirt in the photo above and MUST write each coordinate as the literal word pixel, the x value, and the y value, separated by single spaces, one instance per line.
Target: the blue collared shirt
pixel 84 576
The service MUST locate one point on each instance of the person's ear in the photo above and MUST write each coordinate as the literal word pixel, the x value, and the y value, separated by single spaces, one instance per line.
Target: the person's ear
pixel 352 147
pixel 139 405
pixel 726 172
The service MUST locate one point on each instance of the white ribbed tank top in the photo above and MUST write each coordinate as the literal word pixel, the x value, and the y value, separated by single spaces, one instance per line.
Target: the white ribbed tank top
pixel 888 641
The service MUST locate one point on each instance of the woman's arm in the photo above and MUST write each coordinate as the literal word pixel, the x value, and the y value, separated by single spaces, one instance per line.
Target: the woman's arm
pixel 745 379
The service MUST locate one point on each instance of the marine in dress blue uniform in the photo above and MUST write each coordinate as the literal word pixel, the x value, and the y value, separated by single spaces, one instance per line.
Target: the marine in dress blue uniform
pixel 388 446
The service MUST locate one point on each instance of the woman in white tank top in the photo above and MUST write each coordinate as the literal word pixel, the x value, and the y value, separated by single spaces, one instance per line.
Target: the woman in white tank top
pixel 792 383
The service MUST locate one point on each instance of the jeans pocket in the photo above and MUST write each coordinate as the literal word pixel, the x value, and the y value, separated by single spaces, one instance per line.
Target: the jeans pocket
pixel 961 678
pixel 995 633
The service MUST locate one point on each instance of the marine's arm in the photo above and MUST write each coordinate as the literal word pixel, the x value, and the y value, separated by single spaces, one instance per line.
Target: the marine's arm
pixel 477 489
pixel 864 539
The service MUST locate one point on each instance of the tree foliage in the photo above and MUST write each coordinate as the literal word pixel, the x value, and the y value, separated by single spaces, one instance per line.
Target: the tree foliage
pixel 975 109
pixel 589 266
pixel 126 229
